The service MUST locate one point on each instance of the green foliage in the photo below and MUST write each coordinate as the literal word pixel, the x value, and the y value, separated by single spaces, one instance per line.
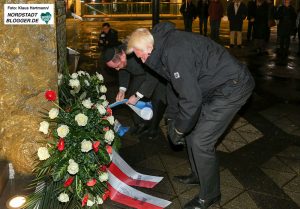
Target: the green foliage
pixel 69 163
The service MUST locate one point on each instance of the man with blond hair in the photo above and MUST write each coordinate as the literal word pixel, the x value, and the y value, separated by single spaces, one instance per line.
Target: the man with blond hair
pixel 209 86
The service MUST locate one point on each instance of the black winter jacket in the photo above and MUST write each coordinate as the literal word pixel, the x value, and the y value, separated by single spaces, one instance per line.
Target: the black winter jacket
pixel 195 66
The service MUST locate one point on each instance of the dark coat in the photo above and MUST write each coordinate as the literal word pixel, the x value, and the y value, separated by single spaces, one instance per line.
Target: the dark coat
pixel 215 10
pixel 250 9
pixel 260 25
pixel 188 10
pixel 202 9
pixel 135 68
pixel 109 40
pixel 196 67
pixel 236 20
pixel 287 20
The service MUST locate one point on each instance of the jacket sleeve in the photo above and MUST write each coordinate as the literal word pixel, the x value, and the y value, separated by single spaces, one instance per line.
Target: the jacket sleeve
pixel 148 85
pixel 183 76
pixel 124 77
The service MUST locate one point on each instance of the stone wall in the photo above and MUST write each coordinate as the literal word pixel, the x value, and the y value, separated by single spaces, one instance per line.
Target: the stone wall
pixel 28 66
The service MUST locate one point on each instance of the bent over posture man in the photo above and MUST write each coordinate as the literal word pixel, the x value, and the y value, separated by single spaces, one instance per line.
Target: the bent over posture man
pixel 134 74
pixel 209 86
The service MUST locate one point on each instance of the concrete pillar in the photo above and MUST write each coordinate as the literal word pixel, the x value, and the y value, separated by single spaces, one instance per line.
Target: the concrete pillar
pixel 29 64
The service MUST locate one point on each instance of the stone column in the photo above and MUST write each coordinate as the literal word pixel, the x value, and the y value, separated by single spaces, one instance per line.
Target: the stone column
pixel 28 64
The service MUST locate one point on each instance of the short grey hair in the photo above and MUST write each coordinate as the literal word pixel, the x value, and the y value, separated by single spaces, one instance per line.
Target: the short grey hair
pixel 140 39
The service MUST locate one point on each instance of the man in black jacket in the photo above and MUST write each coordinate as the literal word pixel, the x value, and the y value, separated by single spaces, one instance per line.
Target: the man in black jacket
pixel 108 37
pixel 202 10
pixel 143 84
pixel 209 87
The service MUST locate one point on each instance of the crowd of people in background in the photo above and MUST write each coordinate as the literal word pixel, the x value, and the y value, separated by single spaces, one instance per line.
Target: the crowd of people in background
pixel 261 16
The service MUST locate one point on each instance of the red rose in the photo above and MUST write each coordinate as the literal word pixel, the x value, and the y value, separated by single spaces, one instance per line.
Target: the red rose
pixel 50 95
pixel 109 111
pixel 68 182
pixel 103 168
pixel 84 200
pixel 109 149
pixel 105 195
pixel 91 183
pixel 106 129
pixel 61 144
pixel 96 145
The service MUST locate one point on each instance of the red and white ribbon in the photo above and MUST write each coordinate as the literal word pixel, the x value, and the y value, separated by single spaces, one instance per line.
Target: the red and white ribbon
pixel 124 194
pixel 126 174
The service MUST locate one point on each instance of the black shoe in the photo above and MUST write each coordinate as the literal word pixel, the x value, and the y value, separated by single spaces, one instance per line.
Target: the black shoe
pixel 191 179
pixel 198 203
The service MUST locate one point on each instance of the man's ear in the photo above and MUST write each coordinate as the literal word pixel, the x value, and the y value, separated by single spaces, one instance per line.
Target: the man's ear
pixel 149 49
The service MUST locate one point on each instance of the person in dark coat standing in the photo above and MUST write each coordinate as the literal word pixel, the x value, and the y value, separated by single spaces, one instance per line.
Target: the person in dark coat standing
pixel 188 11
pixel 260 25
pixel 286 15
pixel 202 11
pixel 250 18
pixel 215 12
pixel 209 86
pixel 108 37
pixel 136 81
pixel 236 12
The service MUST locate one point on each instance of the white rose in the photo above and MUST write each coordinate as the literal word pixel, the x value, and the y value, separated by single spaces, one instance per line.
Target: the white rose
pixel 53 113
pixel 103 97
pixel 99 76
pixel 109 136
pixel 74 75
pixel 74 83
pixel 43 153
pixel 86 146
pixel 99 200
pixel 73 167
pixel 63 197
pixel 111 119
pixel 105 103
pixel 44 126
pixel 81 119
pixel 87 82
pixel 87 103
pixel 103 89
pixel 80 73
pixel 90 203
pixel 75 90
pixel 101 109
pixel 103 177
pixel 62 131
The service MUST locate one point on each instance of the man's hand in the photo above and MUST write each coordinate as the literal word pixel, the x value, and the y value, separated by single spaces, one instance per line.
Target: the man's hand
pixel 120 96
pixel 133 100
pixel 175 136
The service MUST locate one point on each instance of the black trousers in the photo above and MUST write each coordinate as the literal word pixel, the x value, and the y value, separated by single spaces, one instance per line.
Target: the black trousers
pixel 188 23
pixel 203 25
pixel 284 44
pixel 250 31
pixel 216 115
pixel 159 104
